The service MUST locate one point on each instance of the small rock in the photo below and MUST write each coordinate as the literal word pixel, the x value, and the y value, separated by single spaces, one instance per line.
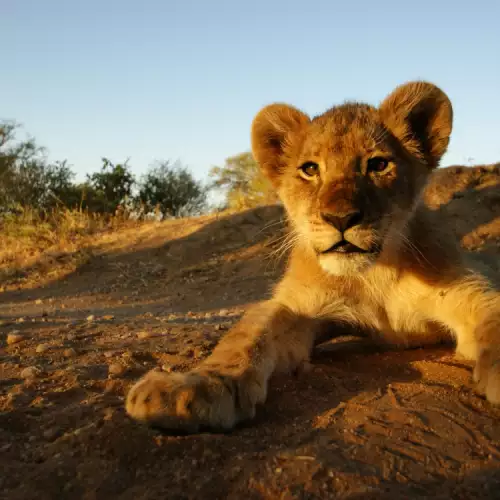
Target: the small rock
pixel 223 312
pixel 144 335
pixel 70 337
pixel 167 368
pixel 69 353
pixel 108 317
pixel 20 320
pixel 112 386
pixel 91 318
pixel 108 414
pixel 38 302
pixel 116 369
pixel 14 338
pixel 30 372
pixel 40 348
pixel 109 354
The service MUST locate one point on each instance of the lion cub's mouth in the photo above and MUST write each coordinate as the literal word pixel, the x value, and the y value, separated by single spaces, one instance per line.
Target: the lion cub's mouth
pixel 345 247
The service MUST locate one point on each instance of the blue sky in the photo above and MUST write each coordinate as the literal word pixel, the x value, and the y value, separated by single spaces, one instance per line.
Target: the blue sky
pixel 165 79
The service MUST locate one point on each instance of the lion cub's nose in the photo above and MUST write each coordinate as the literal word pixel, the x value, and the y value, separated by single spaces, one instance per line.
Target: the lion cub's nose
pixel 343 221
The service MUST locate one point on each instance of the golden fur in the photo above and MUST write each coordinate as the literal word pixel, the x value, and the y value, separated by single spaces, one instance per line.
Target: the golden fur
pixel 367 254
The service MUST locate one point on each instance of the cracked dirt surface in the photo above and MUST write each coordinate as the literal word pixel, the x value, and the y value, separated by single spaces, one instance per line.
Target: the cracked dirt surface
pixel 362 423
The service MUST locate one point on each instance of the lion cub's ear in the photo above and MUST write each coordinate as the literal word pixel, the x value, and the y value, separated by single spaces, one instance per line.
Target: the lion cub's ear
pixel 420 115
pixel 272 130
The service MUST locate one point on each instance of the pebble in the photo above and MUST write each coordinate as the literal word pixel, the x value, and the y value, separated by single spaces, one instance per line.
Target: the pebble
pixel 91 318
pixel 14 338
pixel 108 317
pixel 30 372
pixel 167 368
pixel 144 335
pixel 38 302
pixel 116 369
pixel 108 414
pixel 40 348
pixel 69 353
pixel 111 386
pixel 70 337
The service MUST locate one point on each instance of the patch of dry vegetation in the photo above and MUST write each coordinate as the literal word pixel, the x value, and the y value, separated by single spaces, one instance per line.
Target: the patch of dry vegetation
pixel 37 247
pixel 36 244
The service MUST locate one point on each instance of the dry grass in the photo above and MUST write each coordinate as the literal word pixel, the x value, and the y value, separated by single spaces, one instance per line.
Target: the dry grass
pixel 35 244
pixel 37 247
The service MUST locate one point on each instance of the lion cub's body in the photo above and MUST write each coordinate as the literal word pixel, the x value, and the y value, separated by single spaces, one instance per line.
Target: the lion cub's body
pixel 367 254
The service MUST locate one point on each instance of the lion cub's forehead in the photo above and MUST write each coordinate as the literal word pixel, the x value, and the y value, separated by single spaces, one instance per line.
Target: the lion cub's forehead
pixel 346 130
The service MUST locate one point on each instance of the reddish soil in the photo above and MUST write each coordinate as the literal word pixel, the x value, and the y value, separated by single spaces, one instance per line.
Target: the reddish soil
pixel 361 424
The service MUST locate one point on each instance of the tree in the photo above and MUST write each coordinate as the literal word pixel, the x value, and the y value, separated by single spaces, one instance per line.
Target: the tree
pixel 244 182
pixel 111 186
pixel 63 191
pixel 172 189
pixel 19 161
pixel 26 179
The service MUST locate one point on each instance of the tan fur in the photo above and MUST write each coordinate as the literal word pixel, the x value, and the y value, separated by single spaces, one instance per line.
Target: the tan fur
pixel 408 285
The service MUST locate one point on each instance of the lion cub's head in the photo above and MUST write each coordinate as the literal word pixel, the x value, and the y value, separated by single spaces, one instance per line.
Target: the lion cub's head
pixel 345 176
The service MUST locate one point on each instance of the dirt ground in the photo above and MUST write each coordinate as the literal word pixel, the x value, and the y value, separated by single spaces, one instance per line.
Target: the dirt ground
pixel 362 424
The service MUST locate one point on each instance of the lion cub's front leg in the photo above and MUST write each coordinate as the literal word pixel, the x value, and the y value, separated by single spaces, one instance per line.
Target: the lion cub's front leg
pixel 471 308
pixel 225 388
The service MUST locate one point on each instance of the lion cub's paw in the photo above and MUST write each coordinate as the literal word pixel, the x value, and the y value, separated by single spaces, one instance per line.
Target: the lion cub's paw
pixel 192 401
pixel 487 373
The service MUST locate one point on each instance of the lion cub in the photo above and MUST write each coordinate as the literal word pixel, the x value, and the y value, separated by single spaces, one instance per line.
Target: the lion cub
pixel 367 252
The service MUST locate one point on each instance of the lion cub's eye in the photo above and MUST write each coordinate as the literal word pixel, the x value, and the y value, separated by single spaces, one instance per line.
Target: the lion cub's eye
pixel 378 164
pixel 309 169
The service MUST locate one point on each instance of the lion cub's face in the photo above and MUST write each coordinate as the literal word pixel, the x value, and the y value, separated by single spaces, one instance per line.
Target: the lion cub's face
pixel 348 174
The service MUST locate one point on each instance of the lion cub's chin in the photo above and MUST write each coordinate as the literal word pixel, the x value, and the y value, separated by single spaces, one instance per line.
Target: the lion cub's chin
pixel 345 265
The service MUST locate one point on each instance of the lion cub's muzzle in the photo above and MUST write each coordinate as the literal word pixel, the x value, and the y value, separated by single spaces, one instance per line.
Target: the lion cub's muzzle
pixel 345 234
